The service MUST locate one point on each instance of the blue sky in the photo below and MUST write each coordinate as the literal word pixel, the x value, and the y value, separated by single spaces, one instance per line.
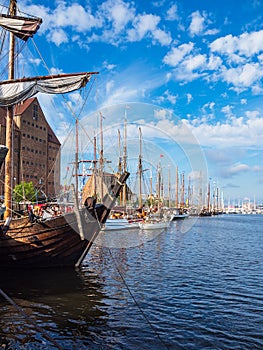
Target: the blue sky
pixel 200 60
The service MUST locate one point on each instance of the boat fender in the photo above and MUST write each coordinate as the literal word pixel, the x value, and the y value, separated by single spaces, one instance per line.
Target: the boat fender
pixel 90 204
pixel 6 225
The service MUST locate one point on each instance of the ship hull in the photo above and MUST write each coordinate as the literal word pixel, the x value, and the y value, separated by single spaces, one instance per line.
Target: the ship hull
pixel 60 241
pixel 52 243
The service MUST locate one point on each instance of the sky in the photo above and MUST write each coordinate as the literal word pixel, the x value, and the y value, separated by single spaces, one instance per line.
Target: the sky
pixel 197 64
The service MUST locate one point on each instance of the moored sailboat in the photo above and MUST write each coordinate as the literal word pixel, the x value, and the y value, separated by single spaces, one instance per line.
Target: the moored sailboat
pixel 62 240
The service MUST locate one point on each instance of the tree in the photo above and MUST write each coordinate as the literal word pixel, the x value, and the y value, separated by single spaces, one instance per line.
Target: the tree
pixel 25 191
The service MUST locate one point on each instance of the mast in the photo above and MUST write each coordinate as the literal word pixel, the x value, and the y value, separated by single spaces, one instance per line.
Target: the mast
pixel 14 91
pixel 101 157
pixel 200 196
pixel 77 164
pixel 177 188
pixel 151 188
pixel 182 191
pixel 9 124
pixel 140 168
pixel 120 164
pixel 189 191
pixel 95 166
pixel 159 183
pixel 125 157
pixel 208 196
pixel 119 146
pixel 169 186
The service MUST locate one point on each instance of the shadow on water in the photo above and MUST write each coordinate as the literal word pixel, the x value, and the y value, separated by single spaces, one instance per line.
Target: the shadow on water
pixel 66 304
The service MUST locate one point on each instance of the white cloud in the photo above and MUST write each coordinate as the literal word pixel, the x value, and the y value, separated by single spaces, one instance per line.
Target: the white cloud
pixel 197 24
pixel 192 63
pixel 214 62
pixel 177 54
pixel 227 110
pixel 210 108
pixel 243 76
pixel 170 97
pixel 247 44
pixel 162 37
pixel 252 114
pixel 75 16
pixel 35 61
pixel 238 168
pixel 172 13
pixel 58 37
pixel 109 86
pixel 190 68
pixel 109 66
pixel 118 13
pixel 160 114
pixel 235 132
pixel 143 24
pixel 189 98
pixel 147 25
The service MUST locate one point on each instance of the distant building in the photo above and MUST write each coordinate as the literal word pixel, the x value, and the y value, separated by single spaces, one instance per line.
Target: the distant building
pixel 36 148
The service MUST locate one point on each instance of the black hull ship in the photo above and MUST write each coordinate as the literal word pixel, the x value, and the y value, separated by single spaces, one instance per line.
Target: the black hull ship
pixel 63 240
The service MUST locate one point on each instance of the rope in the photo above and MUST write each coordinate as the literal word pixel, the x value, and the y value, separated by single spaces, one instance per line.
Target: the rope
pixel 136 303
pixel 30 320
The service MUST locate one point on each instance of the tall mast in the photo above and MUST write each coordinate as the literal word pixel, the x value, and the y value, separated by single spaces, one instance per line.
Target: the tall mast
pixel 200 197
pixel 140 168
pixel 159 180
pixel 189 191
pixel 95 166
pixel 169 186
pixel 182 191
pixel 208 196
pixel 101 157
pixel 151 187
pixel 119 146
pixel 177 188
pixel 9 123
pixel 125 156
pixel 77 162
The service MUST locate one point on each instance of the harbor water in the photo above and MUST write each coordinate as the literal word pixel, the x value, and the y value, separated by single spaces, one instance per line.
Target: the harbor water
pixel 195 285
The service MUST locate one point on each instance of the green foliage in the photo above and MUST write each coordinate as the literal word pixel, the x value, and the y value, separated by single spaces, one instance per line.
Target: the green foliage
pixel 25 191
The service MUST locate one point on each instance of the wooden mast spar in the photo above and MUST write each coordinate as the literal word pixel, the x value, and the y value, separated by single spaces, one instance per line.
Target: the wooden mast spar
pixel 9 124
pixel 59 86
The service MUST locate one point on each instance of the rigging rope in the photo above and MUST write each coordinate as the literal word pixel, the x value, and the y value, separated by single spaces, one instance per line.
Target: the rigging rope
pixel 30 320
pixel 136 303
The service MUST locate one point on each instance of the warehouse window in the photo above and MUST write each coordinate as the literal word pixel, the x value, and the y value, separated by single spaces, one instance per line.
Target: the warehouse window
pixel 35 112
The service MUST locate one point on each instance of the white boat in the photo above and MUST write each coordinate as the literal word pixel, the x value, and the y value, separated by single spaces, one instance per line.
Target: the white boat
pixel 178 215
pixel 154 225
pixel 119 224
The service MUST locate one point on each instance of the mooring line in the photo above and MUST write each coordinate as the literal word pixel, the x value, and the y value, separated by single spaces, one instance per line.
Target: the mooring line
pixel 27 317
pixel 136 303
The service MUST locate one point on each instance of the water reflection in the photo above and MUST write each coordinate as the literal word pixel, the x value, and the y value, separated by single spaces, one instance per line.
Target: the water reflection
pixel 67 304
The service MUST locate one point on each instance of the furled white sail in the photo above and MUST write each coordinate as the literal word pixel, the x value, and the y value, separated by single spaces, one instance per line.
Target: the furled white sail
pixel 15 91
pixel 22 27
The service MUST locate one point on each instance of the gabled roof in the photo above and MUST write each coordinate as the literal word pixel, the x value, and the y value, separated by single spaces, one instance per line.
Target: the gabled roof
pixel 19 109
pixel 51 136
pixel 22 107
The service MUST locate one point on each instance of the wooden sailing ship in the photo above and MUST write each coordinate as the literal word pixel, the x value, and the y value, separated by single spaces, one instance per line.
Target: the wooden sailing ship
pixel 62 240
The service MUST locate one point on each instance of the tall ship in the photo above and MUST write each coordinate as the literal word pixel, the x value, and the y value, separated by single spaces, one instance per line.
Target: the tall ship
pixel 56 241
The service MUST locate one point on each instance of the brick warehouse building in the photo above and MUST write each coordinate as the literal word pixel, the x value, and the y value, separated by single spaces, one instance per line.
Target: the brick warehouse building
pixel 36 148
